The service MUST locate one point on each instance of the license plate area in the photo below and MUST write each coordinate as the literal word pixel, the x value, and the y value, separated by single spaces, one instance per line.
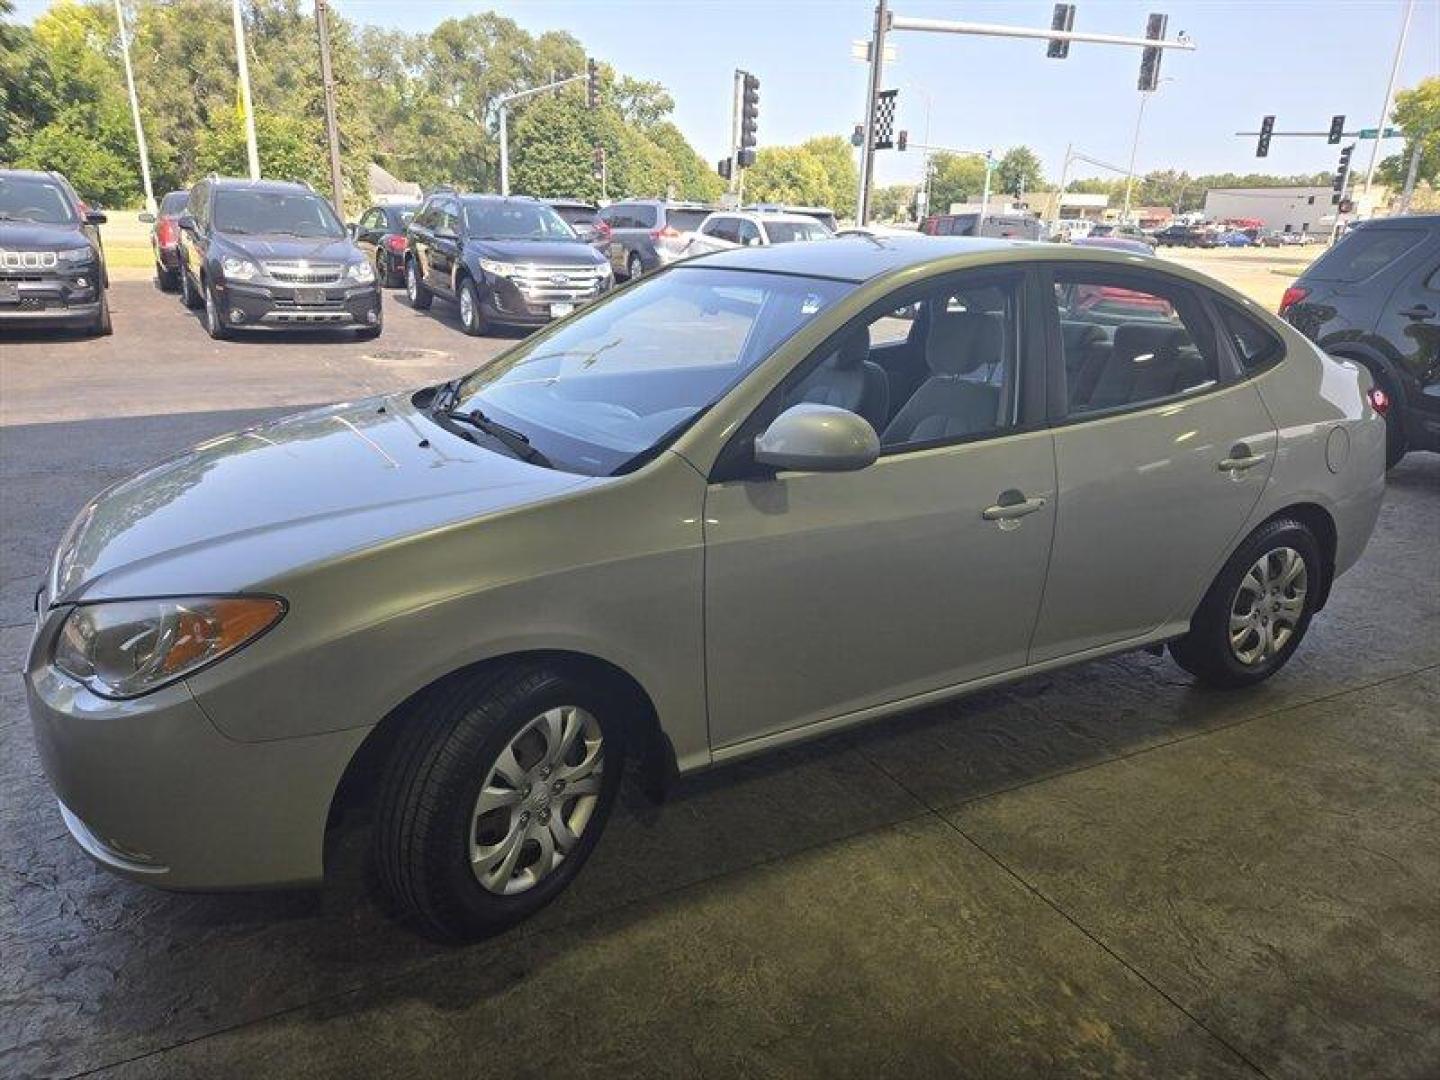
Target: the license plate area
pixel 559 311
pixel 9 292
pixel 310 297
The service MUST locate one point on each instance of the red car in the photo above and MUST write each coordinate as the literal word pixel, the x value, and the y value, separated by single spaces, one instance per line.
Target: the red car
pixel 165 239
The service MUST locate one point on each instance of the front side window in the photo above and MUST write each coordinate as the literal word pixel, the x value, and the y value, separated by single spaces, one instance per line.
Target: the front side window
pixel 275 212
pixel 746 232
pixel 1130 339
pixel 24 198
pixel 496 220
pixel 608 386
pixel 722 228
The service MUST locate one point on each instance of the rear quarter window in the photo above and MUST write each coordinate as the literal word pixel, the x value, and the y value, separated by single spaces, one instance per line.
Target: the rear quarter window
pixel 1364 253
pixel 1256 345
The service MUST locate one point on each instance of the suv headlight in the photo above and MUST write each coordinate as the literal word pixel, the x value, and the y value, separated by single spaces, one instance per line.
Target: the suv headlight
pixel 239 269
pixel 499 269
pixel 361 273
pixel 76 256
pixel 125 648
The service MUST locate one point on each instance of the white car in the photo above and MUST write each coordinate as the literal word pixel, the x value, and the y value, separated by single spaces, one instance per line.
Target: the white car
pixel 725 230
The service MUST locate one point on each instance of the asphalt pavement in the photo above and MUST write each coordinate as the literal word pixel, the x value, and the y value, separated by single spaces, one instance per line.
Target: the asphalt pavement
pixel 1105 871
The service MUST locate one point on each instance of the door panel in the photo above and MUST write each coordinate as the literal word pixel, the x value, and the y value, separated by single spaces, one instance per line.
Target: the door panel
pixel 1410 322
pixel 1146 515
pixel 832 592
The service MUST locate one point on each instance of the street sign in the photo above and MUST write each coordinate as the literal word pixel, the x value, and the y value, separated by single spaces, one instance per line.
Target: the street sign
pixel 860 50
pixel 1374 133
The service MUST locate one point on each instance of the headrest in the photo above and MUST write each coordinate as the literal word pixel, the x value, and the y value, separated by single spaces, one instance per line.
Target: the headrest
pixel 854 350
pixel 1136 340
pixel 1080 335
pixel 961 341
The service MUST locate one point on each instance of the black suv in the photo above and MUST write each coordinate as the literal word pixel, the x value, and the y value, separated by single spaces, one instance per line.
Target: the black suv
pixel 508 260
pixel 52 268
pixel 272 255
pixel 1375 298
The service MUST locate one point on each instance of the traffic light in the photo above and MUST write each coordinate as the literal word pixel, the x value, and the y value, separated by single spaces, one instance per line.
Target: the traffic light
pixel 1337 129
pixel 598 163
pixel 1262 148
pixel 1342 173
pixel 724 168
pixel 592 84
pixel 902 140
pixel 1150 58
pixel 749 111
pixel 745 158
pixel 1063 19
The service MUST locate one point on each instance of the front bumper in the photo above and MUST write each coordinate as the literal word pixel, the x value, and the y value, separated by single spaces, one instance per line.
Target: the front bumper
pixel 60 297
pixel 154 792
pixel 285 307
pixel 502 301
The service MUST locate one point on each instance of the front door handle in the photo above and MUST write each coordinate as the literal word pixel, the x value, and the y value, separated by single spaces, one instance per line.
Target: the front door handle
pixel 1010 506
pixel 1419 311
pixel 1240 459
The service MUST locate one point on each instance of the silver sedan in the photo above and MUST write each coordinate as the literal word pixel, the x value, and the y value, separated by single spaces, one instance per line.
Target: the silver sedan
pixel 750 500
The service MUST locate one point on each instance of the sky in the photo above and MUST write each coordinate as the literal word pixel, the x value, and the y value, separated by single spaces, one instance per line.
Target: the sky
pixel 1301 61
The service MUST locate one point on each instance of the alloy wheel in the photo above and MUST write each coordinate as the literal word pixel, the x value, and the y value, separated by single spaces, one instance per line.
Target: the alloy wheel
pixel 1268 605
pixel 412 281
pixel 212 317
pixel 467 307
pixel 537 800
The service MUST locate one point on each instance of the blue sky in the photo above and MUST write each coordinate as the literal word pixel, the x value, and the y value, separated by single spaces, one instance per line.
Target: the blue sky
pixel 1302 61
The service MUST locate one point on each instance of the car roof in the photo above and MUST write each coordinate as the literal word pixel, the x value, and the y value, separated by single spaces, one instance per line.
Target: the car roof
pixel 1400 221
pixel 229 183
pixel 30 174
pixel 769 216
pixel 575 204
pixel 490 196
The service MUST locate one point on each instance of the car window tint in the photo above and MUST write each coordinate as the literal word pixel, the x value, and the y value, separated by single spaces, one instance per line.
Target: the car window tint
pixel 1433 281
pixel 643 217
pixel 685 220
pixel 747 232
pixel 1255 344
pixel 1129 340
pixel 174 203
pixel 1363 253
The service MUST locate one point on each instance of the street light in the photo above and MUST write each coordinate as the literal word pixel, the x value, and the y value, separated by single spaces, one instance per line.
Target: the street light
pixel 1135 145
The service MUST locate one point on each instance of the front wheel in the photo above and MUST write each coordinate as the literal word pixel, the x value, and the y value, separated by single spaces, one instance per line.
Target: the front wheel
pixel 103 327
pixel 495 797
pixel 214 319
pixel 1257 610
pixel 415 290
pixel 472 320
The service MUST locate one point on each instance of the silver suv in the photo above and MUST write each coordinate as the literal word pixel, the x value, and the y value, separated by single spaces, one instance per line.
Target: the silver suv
pixel 754 499
pixel 642 235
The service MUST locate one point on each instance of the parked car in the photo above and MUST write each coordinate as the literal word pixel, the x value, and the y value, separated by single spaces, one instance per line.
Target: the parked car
pixel 272 255
pixel 1196 236
pixel 1234 238
pixel 1114 243
pixel 165 238
pixel 580 216
pixel 503 260
pixel 380 234
pixel 52 264
pixel 1005 226
pixel 641 235
pixel 1374 298
pixel 1113 231
pixel 823 214
pixel 1295 238
pixel 733 507
pixel 727 229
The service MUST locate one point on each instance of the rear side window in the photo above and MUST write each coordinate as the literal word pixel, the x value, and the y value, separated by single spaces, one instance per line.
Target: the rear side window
pixel 1255 344
pixel 685 220
pixel 1363 253
pixel 174 203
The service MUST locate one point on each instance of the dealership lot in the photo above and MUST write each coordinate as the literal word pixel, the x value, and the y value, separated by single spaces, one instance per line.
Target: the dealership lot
pixel 1104 870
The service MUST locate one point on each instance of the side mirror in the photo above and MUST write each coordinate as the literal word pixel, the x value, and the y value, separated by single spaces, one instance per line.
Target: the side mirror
pixel 187 222
pixel 94 217
pixel 147 218
pixel 817 438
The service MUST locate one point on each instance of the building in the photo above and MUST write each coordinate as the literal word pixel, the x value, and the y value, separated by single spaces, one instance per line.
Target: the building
pixel 1074 206
pixel 385 189
pixel 1285 209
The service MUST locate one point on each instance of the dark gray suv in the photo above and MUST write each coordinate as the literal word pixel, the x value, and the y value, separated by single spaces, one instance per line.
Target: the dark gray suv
pixel 639 234
pixel 52 268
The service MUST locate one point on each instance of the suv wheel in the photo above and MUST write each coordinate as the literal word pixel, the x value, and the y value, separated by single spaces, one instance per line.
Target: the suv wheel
pixel 103 326
pixel 415 290
pixel 633 266
pixel 188 296
pixel 1257 609
pixel 472 321
pixel 166 280
pixel 214 320
pixel 496 796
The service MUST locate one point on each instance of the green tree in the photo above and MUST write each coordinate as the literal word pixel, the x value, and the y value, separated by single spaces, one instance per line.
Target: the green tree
pixel 894 202
pixel 836 157
pixel 1018 171
pixel 955 178
pixel 787 174
pixel 1417 112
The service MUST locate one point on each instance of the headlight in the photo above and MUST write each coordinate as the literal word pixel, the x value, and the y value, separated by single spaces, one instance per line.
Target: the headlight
pixel 499 269
pixel 239 269
pixel 360 272
pixel 77 256
pixel 125 648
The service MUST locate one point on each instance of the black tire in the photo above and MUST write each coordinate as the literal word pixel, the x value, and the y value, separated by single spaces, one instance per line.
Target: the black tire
pixel 385 273
pixel 1206 651
pixel 188 294
pixel 420 297
pixel 634 268
pixel 212 316
pixel 103 326
pixel 370 333
pixel 166 280
pixel 433 779
pixel 1396 445
pixel 472 320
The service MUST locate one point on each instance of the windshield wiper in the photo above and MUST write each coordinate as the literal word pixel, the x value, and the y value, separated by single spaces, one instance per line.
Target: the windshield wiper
pixel 515 441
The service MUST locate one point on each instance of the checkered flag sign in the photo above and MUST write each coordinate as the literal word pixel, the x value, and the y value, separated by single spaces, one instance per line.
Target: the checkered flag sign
pixel 885 119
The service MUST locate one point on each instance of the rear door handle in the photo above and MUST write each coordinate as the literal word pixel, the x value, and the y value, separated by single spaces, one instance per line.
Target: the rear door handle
pixel 1419 311
pixel 1012 507
pixel 1240 464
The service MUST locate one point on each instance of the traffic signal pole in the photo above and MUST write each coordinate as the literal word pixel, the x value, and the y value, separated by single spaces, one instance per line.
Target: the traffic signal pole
pixel 503 104
pixel 1389 93
pixel 867 149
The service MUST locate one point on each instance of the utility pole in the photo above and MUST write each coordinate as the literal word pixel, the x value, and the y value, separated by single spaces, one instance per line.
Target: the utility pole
pixel 985 195
pixel 1410 175
pixel 503 104
pixel 867 148
pixel 135 110
pixel 332 132
pixel 243 63
pixel 1389 94
pixel 1134 149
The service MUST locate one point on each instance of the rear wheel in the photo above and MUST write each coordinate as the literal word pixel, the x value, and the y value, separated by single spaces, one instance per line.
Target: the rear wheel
pixel 1257 610
pixel 633 267
pixel 496 796
pixel 188 295
pixel 415 290
pixel 166 280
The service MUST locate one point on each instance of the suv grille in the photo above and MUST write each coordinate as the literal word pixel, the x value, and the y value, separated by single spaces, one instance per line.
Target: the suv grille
pixel 298 272
pixel 28 260
pixel 541 284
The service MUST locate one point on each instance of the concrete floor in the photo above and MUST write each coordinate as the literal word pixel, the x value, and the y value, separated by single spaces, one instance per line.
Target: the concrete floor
pixel 1105 871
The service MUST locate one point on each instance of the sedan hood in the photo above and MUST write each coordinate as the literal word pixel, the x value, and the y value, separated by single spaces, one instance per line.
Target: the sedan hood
pixel 546 252
pixel 246 508
pixel 34 236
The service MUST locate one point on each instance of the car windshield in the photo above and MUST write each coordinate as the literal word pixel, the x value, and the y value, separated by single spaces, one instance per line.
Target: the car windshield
pixel 602 391
pixel 24 198
pixel 784 232
pixel 495 220
pixel 283 212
